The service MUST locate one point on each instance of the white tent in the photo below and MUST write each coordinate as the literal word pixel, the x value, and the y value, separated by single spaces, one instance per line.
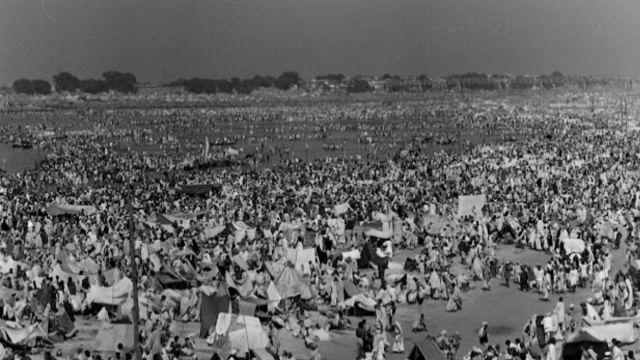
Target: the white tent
pixel 573 246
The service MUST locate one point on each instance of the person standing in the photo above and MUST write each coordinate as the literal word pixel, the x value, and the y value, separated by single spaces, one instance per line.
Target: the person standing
pixel 560 313
pixel 398 341
pixel 483 334
pixel 551 350
pixel 616 352
pixel 379 343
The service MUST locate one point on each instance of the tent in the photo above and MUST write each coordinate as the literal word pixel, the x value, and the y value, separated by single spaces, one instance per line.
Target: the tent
pixel 341 209
pixel 244 332
pixel 471 205
pixel 110 335
pixel 426 349
pixel 66 209
pixel 199 189
pixel 290 283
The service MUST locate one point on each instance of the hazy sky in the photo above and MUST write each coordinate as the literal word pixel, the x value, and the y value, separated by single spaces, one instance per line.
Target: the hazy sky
pixel 163 40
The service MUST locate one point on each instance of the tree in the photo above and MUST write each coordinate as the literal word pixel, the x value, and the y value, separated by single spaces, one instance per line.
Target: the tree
pixel 235 82
pixel 270 80
pixel 93 86
pixel 121 82
pixel 177 83
pixel 41 87
pixel 224 86
pixel 23 86
pixel 425 82
pixel 331 77
pixel 245 87
pixel 201 86
pixel 288 80
pixel 65 81
pixel 263 82
pixel 359 85
pixel 558 78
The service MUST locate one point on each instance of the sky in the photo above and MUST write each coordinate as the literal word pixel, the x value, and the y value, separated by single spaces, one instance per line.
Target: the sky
pixel 162 40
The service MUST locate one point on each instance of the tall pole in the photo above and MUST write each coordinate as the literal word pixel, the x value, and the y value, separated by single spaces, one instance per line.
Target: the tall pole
pixel 134 279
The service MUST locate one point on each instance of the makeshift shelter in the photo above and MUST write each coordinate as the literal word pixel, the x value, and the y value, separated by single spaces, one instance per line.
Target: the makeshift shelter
pixel 171 280
pixel 260 354
pixel 572 349
pixel 23 335
pixel 197 189
pixel 243 332
pixel 369 256
pixel 7 264
pixel 211 307
pixel 112 295
pixel 290 283
pixel 378 234
pixel 110 335
pixel 182 219
pixel 437 224
pixel 426 349
pixel 301 258
pixel 623 332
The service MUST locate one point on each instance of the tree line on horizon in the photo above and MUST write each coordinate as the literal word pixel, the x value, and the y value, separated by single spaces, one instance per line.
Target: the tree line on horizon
pixel 111 80
pixel 286 81
pixel 126 83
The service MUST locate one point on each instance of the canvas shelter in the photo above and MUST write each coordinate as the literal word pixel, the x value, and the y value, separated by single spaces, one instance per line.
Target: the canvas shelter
pixel 110 335
pixel 426 349
pixel 210 307
pixel 572 349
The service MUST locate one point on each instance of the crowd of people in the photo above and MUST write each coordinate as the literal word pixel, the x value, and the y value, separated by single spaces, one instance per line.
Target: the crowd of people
pixel 314 229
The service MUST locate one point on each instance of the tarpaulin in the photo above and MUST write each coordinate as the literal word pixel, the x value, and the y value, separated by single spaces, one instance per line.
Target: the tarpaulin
pixel 112 295
pixel 210 308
